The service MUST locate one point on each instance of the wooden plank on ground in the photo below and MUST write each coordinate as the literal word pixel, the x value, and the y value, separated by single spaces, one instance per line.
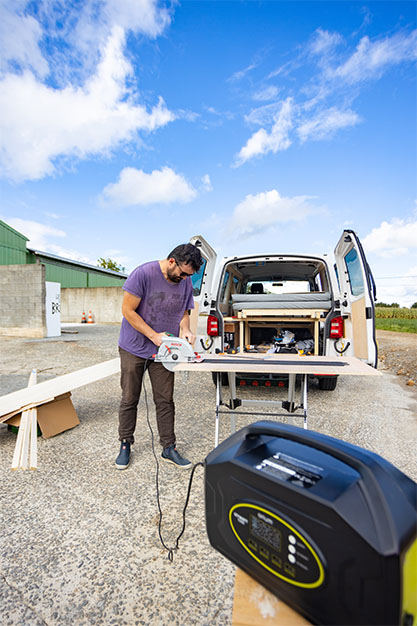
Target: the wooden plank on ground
pixel 32 396
pixel 253 605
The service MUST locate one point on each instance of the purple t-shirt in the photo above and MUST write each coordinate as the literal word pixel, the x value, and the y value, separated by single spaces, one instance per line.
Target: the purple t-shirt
pixel 162 306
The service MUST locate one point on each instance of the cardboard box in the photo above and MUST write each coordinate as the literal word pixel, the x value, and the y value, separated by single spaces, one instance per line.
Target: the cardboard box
pixel 53 417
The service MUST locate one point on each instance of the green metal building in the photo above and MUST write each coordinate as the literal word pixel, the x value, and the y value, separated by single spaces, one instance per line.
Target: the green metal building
pixel 14 251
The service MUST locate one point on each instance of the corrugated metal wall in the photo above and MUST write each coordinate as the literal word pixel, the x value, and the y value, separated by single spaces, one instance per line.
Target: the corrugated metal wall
pixel 13 251
pixel 12 246
pixel 73 276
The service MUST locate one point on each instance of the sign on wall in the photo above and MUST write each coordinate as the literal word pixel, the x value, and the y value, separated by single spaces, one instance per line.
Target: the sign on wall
pixel 53 309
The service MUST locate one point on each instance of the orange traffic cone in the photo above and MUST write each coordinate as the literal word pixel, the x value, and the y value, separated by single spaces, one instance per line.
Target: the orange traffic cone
pixel 90 318
pixel 83 320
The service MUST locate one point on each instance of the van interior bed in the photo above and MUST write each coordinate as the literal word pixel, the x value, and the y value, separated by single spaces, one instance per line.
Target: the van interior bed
pixel 310 300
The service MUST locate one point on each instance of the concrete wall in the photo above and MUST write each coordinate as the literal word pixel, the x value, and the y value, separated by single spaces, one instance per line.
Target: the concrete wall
pixel 22 300
pixel 105 304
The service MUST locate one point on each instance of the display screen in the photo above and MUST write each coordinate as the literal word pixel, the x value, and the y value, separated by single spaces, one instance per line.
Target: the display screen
pixel 265 532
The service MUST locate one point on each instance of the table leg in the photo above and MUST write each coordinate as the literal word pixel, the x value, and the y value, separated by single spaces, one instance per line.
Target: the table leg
pixel 291 392
pixel 305 394
pixel 232 388
pixel 218 402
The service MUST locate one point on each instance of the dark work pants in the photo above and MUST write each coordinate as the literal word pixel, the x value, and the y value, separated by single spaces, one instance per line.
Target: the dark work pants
pixel 162 380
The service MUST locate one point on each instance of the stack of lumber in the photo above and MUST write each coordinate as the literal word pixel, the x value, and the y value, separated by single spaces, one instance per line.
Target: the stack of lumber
pixel 26 450
pixel 47 404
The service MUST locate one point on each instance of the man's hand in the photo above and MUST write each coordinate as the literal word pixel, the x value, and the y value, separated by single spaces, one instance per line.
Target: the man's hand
pixel 188 335
pixel 156 338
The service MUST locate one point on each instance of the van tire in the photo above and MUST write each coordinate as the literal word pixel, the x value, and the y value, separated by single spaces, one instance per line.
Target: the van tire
pixel 224 379
pixel 327 383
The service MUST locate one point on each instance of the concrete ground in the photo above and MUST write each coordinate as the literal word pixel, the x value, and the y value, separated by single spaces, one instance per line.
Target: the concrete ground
pixel 79 540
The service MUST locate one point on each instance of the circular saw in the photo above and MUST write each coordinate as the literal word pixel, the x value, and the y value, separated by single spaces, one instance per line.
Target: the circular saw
pixel 174 350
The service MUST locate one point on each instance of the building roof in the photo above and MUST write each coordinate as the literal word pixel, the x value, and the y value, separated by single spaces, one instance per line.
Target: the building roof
pixel 54 257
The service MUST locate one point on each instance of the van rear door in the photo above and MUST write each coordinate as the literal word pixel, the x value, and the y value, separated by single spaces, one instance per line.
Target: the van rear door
pixel 202 285
pixel 357 297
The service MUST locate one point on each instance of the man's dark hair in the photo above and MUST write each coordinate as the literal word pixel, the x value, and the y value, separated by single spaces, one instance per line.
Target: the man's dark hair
pixel 187 254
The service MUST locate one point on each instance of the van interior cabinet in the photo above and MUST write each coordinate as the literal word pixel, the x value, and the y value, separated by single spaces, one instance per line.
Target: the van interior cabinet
pixel 279 319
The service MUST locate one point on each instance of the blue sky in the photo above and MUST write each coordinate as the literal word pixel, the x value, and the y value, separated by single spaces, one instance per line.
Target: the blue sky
pixel 127 126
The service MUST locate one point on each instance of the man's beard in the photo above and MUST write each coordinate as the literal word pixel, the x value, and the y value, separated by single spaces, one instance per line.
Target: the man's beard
pixel 172 277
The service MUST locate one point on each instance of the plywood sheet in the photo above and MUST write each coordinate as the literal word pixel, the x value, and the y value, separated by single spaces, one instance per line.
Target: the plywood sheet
pixel 360 337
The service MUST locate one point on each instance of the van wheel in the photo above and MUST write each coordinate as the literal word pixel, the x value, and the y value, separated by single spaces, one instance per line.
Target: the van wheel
pixel 224 379
pixel 327 383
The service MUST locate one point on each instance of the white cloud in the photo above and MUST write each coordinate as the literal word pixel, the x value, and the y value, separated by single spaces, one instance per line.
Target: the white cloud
pixel 324 41
pixel 40 123
pixel 392 239
pixel 136 188
pixel 258 212
pixel 323 105
pixel 326 124
pixel 75 32
pixel 263 142
pixel 401 289
pixel 242 73
pixel 372 58
pixel 207 186
pixel 264 115
pixel 268 93
pixel 37 233
pixel 19 39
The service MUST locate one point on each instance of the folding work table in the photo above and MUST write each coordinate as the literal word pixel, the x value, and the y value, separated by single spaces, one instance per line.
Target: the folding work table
pixel 291 364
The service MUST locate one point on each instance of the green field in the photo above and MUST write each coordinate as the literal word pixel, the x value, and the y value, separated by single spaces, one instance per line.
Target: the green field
pixel 397 324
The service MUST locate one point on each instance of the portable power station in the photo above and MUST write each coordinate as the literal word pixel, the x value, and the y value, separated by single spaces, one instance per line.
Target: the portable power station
pixel 328 527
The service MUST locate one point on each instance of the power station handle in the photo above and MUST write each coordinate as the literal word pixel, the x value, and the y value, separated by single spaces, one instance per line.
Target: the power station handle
pixel 361 460
pixel 368 468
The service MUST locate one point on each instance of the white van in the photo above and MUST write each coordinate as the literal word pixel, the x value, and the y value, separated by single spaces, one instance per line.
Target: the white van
pixel 286 302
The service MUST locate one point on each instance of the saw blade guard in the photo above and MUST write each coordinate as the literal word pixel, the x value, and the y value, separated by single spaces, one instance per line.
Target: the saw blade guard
pixel 174 350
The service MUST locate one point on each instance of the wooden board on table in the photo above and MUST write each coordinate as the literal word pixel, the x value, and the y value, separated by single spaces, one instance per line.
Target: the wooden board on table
pixel 280 364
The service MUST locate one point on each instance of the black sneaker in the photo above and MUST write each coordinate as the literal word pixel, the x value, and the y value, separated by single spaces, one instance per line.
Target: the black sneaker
pixel 123 459
pixel 171 455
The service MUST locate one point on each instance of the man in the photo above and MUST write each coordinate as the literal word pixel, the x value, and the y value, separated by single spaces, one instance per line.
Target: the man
pixel 157 299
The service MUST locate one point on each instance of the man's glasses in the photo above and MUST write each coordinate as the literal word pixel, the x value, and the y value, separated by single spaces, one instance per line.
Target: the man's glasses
pixel 183 274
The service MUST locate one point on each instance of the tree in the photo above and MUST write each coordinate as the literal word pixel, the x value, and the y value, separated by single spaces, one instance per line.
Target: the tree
pixel 414 306
pixel 109 264
pixel 394 305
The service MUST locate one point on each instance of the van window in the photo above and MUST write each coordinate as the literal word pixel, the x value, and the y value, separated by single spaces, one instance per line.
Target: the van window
pixel 354 270
pixel 226 278
pixel 337 275
pixel 282 286
pixel 197 279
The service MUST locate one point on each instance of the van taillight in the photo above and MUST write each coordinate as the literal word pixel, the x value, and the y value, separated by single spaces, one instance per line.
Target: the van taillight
pixel 212 326
pixel 336 328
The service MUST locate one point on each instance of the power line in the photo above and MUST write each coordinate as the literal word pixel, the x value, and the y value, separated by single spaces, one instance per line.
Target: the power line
pixel 391 277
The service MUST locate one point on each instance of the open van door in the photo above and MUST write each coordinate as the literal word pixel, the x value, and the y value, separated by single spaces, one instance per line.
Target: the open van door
pixel 202 285
pixel 357 297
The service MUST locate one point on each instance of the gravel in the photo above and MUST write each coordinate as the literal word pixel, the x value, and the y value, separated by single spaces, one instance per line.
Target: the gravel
pixel 79 542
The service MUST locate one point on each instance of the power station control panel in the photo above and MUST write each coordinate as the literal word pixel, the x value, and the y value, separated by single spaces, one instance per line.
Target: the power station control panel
pixel 276 545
